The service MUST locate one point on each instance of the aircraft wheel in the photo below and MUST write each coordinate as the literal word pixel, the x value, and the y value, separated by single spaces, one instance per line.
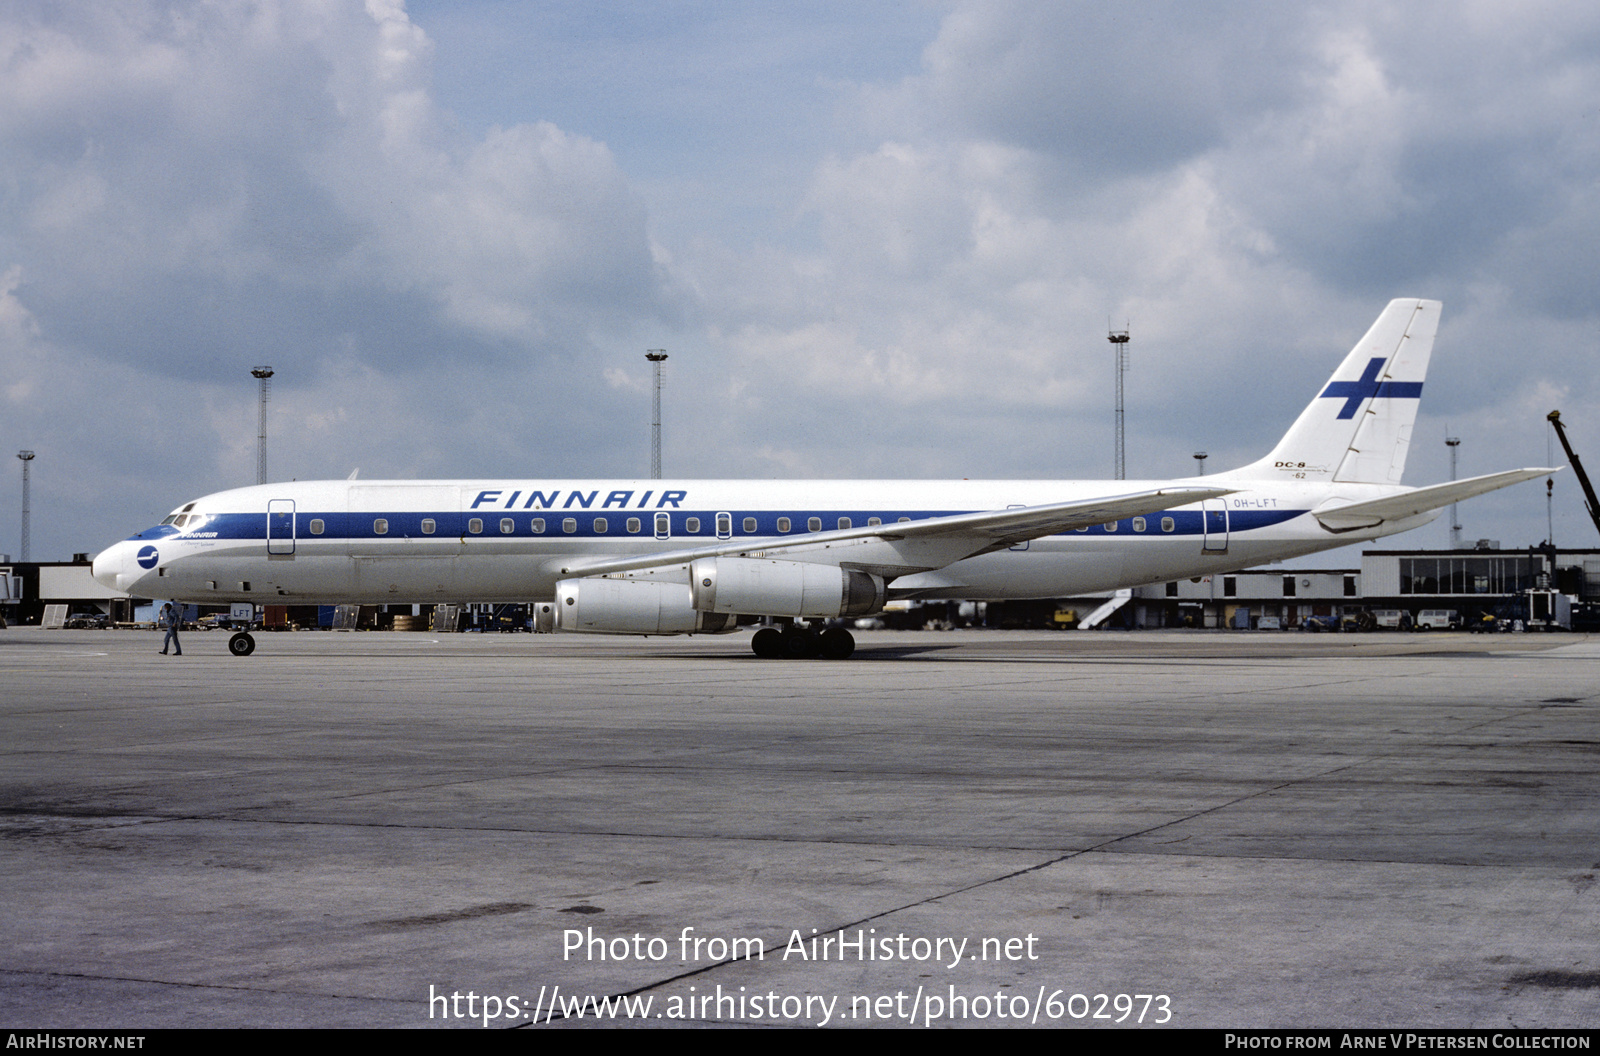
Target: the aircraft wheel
pixel 767 643
pixel 241 644
pixel 799 645
pixel 836 643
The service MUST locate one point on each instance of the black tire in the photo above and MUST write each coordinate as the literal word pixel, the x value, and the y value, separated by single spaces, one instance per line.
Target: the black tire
pixel 241 644
pixel 767 643
pixel 836 643
pixel 799 645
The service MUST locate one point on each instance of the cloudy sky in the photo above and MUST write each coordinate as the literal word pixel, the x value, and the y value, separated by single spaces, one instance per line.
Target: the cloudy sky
pixel 877 240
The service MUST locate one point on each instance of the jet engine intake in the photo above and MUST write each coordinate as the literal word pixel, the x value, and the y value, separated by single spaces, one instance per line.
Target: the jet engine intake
pixel 783 588
pixel 632 606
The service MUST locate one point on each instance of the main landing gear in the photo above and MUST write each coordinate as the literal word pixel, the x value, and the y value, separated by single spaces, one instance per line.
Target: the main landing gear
pixel 802 643
pixel 241 644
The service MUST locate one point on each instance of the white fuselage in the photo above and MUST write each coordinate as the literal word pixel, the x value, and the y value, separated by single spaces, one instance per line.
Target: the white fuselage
pixel 374 542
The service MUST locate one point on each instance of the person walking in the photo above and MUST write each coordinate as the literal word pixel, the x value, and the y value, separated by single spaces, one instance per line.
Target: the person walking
pixel 171 619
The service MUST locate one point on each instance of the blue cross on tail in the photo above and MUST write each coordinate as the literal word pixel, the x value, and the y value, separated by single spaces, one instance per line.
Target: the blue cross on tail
pixel 1354 393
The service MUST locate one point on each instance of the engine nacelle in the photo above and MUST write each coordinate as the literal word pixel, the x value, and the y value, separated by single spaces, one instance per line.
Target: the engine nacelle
pixel 783 588
pixel 632 606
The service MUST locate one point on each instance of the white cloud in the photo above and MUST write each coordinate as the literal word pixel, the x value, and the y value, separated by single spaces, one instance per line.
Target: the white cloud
pixel 291 150
pixel 196 187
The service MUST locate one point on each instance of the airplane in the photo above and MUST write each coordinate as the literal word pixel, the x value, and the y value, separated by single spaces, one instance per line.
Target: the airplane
pixel 663 557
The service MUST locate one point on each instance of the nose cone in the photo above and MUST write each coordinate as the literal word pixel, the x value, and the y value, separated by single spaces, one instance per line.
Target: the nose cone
pixel 106 565
pixel 122 565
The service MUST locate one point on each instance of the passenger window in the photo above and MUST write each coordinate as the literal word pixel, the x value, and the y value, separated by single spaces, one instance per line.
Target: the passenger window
pixel 873 522
pixel 1166 524
pixel 783 524
pixel 507 526
pixel 844 522
pixel 600 525
pixel 633 524
pixel 724 525
pixel 429 526
pixel 316 526
pixel 814 524
pixel 692 524
pixel 475 525
pixel 537 524
pixel 1111 526
pixel 380 526
pixel 663 525
pixel 569 524
pixel 1138 524
pixel 749 526
pixel 903 520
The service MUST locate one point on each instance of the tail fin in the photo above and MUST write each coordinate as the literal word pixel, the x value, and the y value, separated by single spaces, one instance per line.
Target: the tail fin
pixel 1358 428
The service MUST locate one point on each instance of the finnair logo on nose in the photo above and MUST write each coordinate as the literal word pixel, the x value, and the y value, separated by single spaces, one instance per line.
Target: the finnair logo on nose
pixel 1355 393
pixel 148 557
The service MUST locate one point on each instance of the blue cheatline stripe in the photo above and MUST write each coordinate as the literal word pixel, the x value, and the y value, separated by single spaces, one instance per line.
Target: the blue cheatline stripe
pixel 454 525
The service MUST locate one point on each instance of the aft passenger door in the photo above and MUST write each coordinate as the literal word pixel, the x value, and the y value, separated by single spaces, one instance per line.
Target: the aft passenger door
pixel 1214 526
pixel 280 527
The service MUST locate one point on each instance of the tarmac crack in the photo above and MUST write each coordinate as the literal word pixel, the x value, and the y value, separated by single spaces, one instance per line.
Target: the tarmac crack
pixel 185 984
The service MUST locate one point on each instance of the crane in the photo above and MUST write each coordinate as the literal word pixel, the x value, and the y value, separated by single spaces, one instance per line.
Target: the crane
pixel 1590 502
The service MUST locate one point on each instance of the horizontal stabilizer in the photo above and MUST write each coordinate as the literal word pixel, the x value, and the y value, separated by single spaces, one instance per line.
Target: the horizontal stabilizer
pixel 1353 516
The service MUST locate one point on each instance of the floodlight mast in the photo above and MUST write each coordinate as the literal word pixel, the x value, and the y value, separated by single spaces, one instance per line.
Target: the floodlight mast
pixel 656 356
pixel 1453 442
pixel 27 457
pixel 264 375
pixel 1119 345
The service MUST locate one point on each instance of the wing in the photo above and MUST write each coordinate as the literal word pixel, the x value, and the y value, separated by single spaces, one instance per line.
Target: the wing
pixel 908 547
pixel 1353 516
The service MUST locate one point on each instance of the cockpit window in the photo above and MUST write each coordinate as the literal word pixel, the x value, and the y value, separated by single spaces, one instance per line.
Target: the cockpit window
pixel 170 518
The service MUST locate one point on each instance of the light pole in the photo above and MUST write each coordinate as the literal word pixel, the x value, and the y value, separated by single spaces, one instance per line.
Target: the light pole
pixel 1453 442
pixel 656 356
pixel 264 375
pixel 1200 460
pixel 26 456
pixel 1119 345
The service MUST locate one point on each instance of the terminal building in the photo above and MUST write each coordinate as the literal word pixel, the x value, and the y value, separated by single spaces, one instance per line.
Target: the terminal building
pixel 1472 584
